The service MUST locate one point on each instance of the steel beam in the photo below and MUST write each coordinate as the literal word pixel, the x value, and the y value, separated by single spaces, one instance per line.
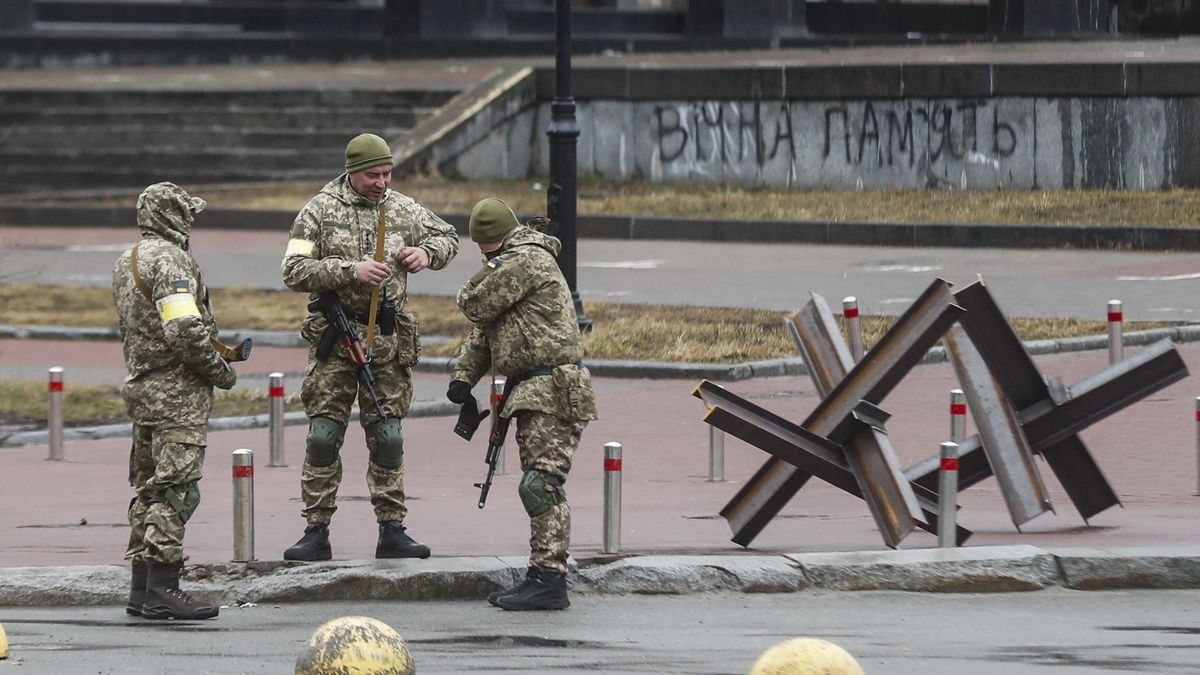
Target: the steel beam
pixel 1004 443
pixel 874 463
pixel 795 448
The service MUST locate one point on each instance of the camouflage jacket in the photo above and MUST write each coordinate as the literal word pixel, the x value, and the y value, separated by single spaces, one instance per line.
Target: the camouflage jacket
pixel 336 229
pixel 171 362
pixel 524 322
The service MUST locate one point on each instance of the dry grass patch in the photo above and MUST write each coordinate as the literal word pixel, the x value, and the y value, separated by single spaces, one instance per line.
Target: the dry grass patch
pixel 622 331
pixel 1174 208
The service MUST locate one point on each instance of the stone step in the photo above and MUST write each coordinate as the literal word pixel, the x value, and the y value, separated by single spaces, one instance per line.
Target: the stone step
pixel 262 117
pixel 597 21
pixel 101 160
pixel 198 97
pixel 23 180
pixel 161 136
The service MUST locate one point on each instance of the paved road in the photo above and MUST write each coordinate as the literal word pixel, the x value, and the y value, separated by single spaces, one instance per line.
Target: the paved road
pixel 1054 632
pixel 772 276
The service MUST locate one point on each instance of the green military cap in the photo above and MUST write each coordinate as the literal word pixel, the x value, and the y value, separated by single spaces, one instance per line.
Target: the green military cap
pixel 365 151
pixel 491 220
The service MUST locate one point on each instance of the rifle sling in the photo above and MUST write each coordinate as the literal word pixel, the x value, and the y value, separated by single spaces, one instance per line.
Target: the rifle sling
pixel 380 233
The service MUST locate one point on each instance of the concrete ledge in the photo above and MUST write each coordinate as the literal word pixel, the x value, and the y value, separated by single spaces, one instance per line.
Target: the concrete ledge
pixel 1101 569
pixel 696 574
pixel 851 233
pixel 961 570
pixel 964 570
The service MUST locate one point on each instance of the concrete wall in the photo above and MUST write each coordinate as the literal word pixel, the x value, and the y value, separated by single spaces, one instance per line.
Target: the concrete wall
pixel 969 143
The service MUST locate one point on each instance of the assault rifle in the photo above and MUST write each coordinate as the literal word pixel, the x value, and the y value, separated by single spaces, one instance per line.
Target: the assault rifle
pixel 328 303
pixel 496 440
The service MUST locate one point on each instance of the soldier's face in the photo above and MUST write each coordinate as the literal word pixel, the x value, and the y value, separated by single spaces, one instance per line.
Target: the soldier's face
pixel 372 183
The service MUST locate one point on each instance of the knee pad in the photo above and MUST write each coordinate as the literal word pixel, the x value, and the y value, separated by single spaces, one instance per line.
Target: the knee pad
pixel 184 499
pixel 324 440
pixel 540 492
pixel 387 447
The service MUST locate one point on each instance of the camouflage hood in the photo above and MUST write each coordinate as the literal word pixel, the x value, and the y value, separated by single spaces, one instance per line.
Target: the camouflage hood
pixel 340 189
pixel 165 210
pixel 523 235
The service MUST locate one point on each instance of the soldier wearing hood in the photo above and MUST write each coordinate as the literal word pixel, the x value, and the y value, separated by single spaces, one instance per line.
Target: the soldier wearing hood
pixel 167 332
pixel 525 327
pixel 331 248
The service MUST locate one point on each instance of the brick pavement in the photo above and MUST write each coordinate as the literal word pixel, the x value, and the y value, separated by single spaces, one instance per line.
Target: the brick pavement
pixel 1148 452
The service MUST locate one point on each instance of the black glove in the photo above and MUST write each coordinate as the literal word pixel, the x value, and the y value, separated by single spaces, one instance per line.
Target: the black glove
pixel 459 392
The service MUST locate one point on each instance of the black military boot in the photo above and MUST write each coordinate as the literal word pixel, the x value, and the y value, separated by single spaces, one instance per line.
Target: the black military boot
pixel 394 542
pixel 495 595
pixel 542 590
pixel 313 546
pixel 165 600
pixel 137 589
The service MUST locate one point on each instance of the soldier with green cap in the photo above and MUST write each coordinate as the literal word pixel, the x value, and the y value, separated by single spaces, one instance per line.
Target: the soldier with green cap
pixel 332 247
pixel 167 333
pixel 525 327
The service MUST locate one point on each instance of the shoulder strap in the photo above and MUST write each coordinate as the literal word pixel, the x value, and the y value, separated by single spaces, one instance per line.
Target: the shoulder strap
pixel 137 278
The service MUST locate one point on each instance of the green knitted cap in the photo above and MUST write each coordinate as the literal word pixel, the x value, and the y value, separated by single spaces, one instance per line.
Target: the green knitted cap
pixel 365 151
pixel 491 220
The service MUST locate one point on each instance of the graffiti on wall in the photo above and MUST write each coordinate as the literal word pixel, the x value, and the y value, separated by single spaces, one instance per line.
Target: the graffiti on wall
pixel 864 134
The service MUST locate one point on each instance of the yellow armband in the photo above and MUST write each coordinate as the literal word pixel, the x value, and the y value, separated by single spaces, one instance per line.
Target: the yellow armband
pixel 300 247
pixel 177 306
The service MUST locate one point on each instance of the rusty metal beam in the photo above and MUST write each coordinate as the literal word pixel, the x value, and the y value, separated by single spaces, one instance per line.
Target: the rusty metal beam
pixel 1051 430
pixel 770 432
pixel 870 380
pixel 1004 443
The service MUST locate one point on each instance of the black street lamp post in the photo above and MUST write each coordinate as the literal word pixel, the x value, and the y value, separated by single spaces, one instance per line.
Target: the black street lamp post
pixel 563 132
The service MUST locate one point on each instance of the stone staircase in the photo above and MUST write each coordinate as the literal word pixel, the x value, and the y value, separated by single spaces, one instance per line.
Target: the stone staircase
pixel 55 141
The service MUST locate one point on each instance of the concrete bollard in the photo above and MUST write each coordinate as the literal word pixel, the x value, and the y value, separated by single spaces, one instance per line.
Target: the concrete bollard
pixel 716 455
pixel 947 496
pixel 243 505
pixel 497 400
pixel 612 497
pixel 853 327
pixel 275 418
pixel 1116 343
pixel 54 419
pixel 958 416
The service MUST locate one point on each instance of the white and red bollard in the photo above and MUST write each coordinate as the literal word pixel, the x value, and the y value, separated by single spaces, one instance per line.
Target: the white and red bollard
pixel 1197 492
pixel 275 418
pixel 947 496
pixel 958 416
pixel 497 402
pixel 612 497
pixel 1116 319
pixel 853 327
pixel 243 505
pixel 54 421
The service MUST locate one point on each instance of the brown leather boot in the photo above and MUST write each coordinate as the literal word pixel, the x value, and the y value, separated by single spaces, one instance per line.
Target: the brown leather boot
pixel 165 600
pixel 137 589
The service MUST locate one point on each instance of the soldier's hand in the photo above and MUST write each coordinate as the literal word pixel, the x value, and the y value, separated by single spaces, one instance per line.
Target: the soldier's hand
pixel 370 272
pixel 227 378
pixel 459 392
pixel 413 258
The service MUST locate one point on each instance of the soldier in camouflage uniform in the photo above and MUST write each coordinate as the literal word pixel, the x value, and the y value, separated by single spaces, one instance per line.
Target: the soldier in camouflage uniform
pixel 525 328
pixel 331 248
pixel 167 327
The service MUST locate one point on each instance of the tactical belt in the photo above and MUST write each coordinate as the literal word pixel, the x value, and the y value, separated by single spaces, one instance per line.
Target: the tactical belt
pixel 538 372
pixel 386 319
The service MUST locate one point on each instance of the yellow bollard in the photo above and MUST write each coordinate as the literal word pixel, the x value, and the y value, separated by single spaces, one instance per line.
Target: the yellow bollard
pixel 355 644
pixel 806 656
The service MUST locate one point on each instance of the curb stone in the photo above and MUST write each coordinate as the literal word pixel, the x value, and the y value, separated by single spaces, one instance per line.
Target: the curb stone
pixel 985 569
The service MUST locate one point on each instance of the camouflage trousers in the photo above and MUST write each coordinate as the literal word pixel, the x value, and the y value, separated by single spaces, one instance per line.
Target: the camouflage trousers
pixel 330 389
pixel 547 443
pixel 165 466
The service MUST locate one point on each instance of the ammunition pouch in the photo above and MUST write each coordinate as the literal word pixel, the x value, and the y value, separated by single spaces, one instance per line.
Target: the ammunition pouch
pixel 408 338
